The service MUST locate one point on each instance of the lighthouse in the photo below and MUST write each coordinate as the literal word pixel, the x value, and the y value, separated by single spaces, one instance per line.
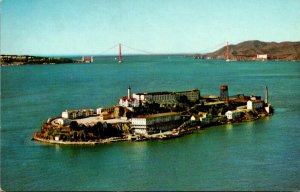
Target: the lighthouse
pixel 129 92
pixel 266 95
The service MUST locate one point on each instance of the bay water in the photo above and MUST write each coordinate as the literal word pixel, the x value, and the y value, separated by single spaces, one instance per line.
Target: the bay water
pixel 259 155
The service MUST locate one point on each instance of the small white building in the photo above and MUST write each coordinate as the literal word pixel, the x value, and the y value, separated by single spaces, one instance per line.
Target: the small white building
pixel 63 121
pixel 56 138
pixel 195 118
pixel 69 114
pixel 262 57
pixel 268 108
pixel 205 118
pixel 252 105
pixel 234 114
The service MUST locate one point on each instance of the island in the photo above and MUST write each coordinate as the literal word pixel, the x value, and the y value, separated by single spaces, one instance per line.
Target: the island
pixel 152 115
pixel 12 60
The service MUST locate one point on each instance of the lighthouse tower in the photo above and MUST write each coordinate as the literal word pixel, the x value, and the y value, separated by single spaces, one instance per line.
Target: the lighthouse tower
pixel 129 92
pixel 266 95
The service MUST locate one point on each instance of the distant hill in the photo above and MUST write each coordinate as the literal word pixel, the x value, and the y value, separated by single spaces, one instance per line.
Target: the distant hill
pixel 248 50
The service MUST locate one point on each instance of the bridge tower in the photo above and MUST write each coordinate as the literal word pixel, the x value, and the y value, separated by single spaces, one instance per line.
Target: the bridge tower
pixel 120 53
pixel 227 55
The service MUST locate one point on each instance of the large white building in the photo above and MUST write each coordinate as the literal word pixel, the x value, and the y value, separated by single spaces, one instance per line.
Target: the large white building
pixel 155 123
pixel 166 97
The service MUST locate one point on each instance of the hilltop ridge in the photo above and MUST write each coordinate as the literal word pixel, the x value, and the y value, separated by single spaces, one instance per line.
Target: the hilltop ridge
pixel 248 50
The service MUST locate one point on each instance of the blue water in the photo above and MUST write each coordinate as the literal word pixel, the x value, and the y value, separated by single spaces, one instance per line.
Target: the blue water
pixel 260 155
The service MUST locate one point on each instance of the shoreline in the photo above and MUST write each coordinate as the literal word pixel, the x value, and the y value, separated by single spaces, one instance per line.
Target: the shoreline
pixel 158 136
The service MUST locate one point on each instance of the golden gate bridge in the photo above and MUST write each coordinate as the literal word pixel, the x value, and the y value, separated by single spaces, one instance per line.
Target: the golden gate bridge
pixel 140 52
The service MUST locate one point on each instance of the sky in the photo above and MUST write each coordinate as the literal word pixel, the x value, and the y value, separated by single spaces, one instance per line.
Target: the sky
pixel 72 27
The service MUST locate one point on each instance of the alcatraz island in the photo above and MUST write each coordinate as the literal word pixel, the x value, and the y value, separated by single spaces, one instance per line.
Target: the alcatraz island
pixel 152 115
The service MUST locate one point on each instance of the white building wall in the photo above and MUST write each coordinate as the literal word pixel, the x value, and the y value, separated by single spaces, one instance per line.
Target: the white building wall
pixel 138 124
pixel 233 114
pixel 65 114
pixel 262 56
pixel 254 104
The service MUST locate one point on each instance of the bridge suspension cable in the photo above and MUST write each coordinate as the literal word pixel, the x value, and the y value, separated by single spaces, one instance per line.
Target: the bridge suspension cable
pixel 216 47
pixel 105 51
pixel 135 49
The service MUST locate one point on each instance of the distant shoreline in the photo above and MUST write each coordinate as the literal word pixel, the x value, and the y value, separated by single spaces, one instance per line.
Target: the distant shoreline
pixel 14 60
pixel 17 60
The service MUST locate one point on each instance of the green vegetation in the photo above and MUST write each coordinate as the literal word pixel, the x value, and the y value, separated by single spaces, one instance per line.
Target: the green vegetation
pixel 80 132
pixel 29 60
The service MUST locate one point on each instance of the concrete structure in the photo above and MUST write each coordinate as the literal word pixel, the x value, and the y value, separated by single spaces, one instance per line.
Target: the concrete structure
pixel 74 114
pixel 234 114
pixel 166 97
pixel 253 105
pixel 155 123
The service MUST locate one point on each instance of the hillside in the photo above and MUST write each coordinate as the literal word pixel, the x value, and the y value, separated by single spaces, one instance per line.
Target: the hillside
pixel 248 50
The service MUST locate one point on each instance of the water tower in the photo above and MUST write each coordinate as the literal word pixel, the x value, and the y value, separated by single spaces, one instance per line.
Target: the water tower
pixel 224 92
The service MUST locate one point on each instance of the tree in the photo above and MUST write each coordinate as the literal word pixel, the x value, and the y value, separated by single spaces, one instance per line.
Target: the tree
pixel 74 126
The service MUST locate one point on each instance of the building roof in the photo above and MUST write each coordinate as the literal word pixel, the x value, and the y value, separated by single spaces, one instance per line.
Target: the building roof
pixel 125 98
pixel 166 92
pixel 156 93
pixel 234 111
pixel 157 115
pixel 194 90
pixel 255 101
